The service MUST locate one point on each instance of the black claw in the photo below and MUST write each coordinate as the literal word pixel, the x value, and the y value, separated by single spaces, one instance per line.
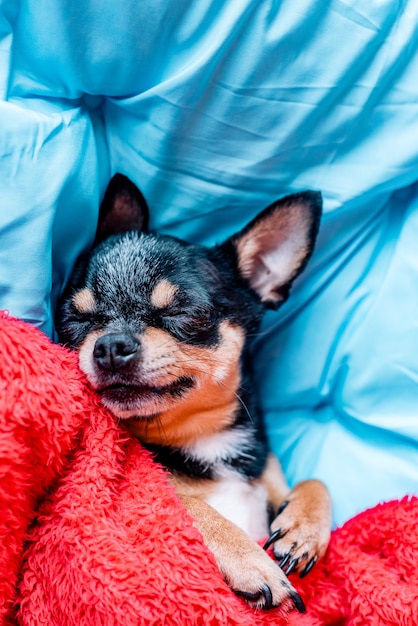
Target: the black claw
pixel 247 595
pixel 254 597
pixel 284 560
pixel 266 591
pixel 308 568
pixel 282 507
pixel 291 565
pixel 298 602
pixel 278 534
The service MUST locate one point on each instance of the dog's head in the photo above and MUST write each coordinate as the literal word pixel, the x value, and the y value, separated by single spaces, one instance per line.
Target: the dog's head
pixel 161 325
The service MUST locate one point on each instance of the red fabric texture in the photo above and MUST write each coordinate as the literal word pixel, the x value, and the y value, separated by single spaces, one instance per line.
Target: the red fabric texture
pixel 92 534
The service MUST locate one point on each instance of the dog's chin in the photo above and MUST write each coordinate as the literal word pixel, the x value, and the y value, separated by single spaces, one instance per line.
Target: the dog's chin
pixel 127 401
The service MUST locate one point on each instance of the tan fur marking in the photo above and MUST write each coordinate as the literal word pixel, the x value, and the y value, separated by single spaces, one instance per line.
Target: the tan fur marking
pixel 274 481
pixel 163 294
pixel 211 404
pixel 192 487
pixel 305 523
pixel 84 301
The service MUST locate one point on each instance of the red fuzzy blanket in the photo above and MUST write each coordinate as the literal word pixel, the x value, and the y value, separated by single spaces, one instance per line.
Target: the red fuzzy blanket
pixel 92 534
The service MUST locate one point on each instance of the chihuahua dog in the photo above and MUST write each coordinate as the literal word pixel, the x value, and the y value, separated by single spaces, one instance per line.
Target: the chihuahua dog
pixel 163 329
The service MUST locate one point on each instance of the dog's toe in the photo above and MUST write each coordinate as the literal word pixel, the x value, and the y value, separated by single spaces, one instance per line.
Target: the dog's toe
pixel 261 583
pixel 263 598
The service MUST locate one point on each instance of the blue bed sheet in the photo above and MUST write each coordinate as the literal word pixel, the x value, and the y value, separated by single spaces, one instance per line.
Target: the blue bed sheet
pixel 215 110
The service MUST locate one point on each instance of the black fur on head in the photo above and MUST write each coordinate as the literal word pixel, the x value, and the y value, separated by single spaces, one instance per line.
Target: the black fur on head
pixel 252 270
pixel 122 272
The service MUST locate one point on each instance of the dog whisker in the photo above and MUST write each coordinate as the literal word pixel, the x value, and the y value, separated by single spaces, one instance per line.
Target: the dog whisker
pixel 237 396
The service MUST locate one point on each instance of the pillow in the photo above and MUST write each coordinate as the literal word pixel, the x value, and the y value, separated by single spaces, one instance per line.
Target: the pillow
pixel 215 111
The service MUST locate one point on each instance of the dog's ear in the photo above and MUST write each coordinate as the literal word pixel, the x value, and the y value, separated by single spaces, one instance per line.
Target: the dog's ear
pixel 275 247
pixel 123 208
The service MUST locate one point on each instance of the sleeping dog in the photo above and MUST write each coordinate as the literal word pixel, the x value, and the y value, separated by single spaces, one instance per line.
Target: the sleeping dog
pixel 163 329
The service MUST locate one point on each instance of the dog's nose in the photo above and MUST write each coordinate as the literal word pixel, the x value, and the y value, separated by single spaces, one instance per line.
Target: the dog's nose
pixel 115 350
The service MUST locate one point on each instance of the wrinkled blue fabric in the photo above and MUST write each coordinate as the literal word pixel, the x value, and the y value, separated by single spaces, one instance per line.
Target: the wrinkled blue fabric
pixel 215 110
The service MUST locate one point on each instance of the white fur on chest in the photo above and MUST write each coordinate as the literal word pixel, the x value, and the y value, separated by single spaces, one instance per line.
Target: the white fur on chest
pixel 243 503
pixel 240 501
pixel 215 449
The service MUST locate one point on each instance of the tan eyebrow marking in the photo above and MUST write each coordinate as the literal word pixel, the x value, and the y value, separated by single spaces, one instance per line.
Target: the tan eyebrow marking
pixel 84 301
pixel 163 294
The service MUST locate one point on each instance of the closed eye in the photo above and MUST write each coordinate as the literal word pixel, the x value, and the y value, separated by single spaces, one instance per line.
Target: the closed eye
pixel 196 326
pixel 92 318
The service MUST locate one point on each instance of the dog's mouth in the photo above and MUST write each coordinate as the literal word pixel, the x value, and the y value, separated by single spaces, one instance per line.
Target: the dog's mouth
pixel 128 394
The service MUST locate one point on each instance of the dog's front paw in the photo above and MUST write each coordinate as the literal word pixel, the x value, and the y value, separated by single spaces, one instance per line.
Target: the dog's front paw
pixel 245 566
pixel 302 528
pixel 255 577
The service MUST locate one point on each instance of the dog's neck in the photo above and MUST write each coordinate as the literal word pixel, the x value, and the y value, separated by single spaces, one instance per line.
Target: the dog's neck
pixel 212 440
pixel 219 429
